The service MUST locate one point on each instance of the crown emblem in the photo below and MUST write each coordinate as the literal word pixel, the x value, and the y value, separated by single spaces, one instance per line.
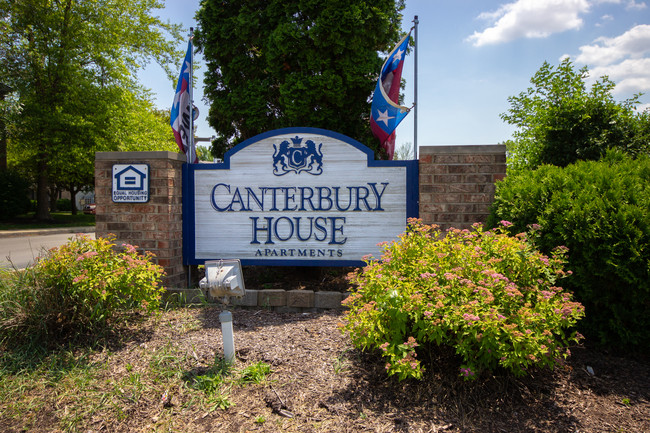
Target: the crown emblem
pixel 296 158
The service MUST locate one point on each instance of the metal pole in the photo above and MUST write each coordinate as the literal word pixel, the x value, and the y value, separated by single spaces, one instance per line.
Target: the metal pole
pixel 190 151
pixel 227 336
pixel 415 90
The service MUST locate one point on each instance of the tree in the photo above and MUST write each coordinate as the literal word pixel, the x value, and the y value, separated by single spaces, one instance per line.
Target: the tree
pixel 139 126
pixel 72 63
pixel 204 154
pixel 561 122
pixel 281 63
pixel 133 124
pixel 404 152
pixel 6 108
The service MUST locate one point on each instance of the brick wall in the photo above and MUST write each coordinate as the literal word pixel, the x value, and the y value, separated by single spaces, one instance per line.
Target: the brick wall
pixel 457 183
pixel 457 186
pixel 154 226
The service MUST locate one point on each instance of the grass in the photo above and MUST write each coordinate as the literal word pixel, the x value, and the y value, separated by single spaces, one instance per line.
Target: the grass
pixel 163 373
pixel 59 219
pixel 81 388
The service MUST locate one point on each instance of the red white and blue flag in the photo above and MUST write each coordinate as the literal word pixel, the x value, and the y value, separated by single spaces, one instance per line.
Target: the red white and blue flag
pixel 385 112
pixel 181 112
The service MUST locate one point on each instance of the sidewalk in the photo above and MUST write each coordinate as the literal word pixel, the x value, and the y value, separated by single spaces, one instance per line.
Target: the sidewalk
pixel 45 231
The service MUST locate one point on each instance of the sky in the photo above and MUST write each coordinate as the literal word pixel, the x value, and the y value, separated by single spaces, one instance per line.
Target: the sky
pixel 474 54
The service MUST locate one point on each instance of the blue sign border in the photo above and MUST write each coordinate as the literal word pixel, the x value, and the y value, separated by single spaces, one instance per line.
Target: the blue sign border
pixel 189 170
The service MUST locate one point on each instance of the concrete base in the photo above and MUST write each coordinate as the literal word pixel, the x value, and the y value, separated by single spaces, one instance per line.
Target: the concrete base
pixel 327 300
pixel 275 299
pixel 300 298
pixel 272 298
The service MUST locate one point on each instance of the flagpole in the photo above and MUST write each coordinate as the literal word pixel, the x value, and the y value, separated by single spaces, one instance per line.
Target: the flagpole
pixel 190 151
pixel 415 91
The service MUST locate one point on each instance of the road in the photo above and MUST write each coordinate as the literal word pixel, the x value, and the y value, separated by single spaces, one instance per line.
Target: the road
pixel 22 250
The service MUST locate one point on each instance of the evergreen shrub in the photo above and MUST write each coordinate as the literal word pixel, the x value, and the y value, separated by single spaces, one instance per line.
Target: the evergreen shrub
pixel 64 205
pixel 601 211
pixel 491 297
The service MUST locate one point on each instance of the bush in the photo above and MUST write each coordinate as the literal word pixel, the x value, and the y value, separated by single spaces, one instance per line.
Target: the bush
pixel 601 211
pixel 76 289
pixel 64 205
pixel 14 190
pixel 490 297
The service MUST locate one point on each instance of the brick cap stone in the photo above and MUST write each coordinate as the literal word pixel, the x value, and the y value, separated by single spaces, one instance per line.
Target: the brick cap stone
pixel 463 149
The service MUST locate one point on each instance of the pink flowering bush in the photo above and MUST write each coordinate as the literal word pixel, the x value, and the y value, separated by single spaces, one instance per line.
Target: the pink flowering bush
pixel 493 298
pixel 80 287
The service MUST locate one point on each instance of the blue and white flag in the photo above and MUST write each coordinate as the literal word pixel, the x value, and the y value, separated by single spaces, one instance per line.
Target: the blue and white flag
pixel 181 112
pixel 385 113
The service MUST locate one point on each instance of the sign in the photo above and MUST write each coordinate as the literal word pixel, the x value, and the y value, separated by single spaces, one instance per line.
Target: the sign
pixel 296 196
pixel 130 183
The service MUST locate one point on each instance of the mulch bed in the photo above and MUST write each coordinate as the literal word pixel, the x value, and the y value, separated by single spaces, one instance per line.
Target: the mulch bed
pixel 328 386
pixel 319 383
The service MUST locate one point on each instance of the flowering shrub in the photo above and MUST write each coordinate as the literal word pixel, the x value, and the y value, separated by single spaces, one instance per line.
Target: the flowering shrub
pixel 489 296
pixel 102 279
pixel 77 288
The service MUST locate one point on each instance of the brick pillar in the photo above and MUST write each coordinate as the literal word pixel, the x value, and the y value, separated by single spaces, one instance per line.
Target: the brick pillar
pixel 457 183
pixel 154 226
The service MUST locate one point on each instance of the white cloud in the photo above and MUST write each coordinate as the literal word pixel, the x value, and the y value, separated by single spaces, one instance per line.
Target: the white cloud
pixel 642 107
pixel 630 76
pixel 633 43
pixel 633 5
pixel 603 20
pixel 530 19
pixel 624 59
pixel 629 4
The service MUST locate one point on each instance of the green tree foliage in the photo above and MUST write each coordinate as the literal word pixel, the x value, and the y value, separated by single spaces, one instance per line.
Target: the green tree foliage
pixel 13 194
pixel 560 121
pixel 601 211
pixel 73 64
pixel 8 106
pixel 204 153
pixel 282 63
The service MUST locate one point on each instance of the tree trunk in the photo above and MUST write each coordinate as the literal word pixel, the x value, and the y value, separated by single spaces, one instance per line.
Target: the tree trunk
pixel 42 196
pixel 54 196
pixel 3 145
pixel 73 193
pixel 4 89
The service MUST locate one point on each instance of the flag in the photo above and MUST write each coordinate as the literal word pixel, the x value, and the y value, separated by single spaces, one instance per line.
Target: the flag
pixel 182 107
pixel 385 113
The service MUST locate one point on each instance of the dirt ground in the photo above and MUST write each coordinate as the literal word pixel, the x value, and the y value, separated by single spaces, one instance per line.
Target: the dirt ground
pixel 319 383
pixel 327 386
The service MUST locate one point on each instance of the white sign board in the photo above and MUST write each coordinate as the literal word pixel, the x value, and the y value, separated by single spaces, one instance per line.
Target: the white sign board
pixel 296 196
pixel 130 183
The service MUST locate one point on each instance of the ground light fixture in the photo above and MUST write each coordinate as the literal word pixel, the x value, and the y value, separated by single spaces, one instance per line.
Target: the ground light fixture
pixel 223 280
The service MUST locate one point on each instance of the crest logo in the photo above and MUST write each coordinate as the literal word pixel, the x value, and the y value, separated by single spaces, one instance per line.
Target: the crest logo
pixel 295 157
